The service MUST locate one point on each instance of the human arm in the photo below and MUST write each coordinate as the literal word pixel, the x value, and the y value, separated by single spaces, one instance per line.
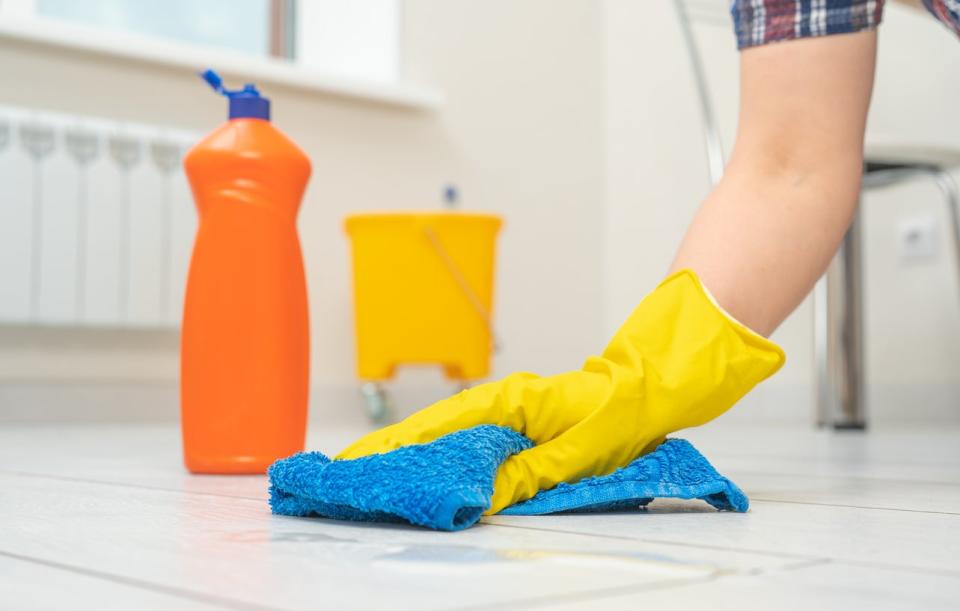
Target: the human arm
pixel 758 243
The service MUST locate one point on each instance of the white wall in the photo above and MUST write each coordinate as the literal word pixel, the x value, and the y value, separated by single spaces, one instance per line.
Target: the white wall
pixel 520 135
pixel 577 121
pixel 657 174
pixel 913 317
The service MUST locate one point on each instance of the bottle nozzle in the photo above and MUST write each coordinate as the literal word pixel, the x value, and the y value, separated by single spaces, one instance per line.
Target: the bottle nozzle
pixel 213 79
pixel 244 103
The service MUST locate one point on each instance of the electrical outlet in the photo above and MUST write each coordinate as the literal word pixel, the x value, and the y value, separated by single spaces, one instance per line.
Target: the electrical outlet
pixel 918 238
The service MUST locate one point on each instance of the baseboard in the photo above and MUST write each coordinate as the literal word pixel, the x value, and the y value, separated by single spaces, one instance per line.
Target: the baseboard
pixel 89 402
pixel 781 404
pixel 160 402
pixel 931 403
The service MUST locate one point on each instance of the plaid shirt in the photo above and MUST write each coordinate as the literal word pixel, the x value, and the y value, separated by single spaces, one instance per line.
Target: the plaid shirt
pixel 759 22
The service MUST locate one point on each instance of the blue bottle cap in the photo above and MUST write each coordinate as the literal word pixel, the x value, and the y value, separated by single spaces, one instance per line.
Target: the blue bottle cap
pixel 246 103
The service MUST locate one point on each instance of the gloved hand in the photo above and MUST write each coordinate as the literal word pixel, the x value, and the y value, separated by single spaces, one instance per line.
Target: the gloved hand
pixel 678 361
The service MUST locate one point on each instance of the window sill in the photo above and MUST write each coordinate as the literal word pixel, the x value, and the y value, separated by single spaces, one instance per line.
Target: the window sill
pixel 183 55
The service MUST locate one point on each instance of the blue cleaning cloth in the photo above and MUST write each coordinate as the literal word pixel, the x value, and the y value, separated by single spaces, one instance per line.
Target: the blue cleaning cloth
pixel 447 484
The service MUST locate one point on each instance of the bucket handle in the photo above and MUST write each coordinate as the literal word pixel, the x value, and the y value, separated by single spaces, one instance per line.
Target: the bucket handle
pixel 495 345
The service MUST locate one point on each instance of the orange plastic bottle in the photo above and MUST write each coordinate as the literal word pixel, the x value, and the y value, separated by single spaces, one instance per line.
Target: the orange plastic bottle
pixel 244 355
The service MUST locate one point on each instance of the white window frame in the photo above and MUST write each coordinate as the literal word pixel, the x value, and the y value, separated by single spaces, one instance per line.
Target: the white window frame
pixel 382 83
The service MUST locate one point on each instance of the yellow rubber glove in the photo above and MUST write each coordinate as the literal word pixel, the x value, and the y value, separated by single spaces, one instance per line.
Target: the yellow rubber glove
pixel 678 361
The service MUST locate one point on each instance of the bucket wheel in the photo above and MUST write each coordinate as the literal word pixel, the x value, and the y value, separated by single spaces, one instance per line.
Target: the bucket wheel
pixel 377 403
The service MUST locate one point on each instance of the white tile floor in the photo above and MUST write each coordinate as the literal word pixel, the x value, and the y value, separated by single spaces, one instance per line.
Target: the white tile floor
pixel 105 517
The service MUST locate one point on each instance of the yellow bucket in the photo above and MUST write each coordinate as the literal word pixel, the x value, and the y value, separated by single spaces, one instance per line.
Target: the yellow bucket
pixel 423 291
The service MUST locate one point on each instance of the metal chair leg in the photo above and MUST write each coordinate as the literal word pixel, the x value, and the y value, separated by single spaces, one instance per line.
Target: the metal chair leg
pixel 711 131
pixel 838 331
pixel 838 307
pixel 951 193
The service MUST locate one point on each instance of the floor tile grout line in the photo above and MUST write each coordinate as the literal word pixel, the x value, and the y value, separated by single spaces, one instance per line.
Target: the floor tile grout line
pixel 590 535
pixel 920 570
pixel 721 548
pixel 865 564
pixel 261 499
pixel 551 600
pixel 647 587
pixel 234 496
pixel 884 480
pixel 799 566
pixel 906 569
pixel 870 565
pixel 868 507
pixel 482 523
pixel 83 480
pixel 183 593
pixel 717 458
pixel 801 557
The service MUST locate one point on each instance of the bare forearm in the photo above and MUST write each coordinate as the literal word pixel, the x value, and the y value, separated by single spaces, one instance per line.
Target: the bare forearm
pixel 761 239
pixel 768 230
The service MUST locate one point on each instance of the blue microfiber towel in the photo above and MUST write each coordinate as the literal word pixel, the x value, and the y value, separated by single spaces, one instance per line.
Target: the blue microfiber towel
pixel 447 484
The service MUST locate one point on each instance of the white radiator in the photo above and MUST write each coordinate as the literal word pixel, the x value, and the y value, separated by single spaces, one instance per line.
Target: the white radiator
pixel 96 221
